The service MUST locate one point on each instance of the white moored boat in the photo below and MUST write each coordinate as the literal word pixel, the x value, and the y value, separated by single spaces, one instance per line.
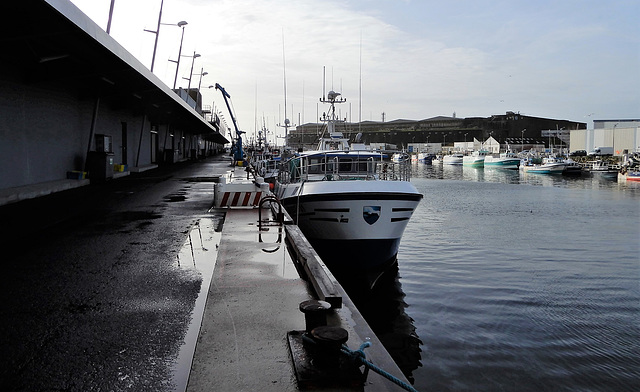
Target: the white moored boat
pixel 352 207
pixel 475 159
pixel 630 170
pixel 452 159
pixel 506 160
pixel 549 165
pixel 400 157
pixel 601 168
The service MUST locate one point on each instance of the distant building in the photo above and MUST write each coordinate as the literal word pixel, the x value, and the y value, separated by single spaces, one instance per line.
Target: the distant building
pixel 510 128
pixel 622 135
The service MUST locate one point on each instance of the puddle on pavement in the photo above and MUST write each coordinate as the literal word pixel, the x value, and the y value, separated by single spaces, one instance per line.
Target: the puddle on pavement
pixel 139 215
pixel 274 251
pixel 202 179
pixel 174 198
pixel 198 255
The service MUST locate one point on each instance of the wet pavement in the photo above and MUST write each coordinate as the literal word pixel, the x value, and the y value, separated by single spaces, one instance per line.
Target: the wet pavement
pixel 93 295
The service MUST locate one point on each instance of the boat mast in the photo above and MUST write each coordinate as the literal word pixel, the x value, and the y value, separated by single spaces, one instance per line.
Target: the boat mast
pixel 287 123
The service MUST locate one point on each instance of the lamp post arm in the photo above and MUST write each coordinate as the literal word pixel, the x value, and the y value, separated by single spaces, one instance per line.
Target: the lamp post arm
pixel 175 79
pixel 193 60
pixel 155 46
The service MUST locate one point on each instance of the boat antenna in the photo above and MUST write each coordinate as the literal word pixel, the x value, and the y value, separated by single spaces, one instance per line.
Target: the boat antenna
pixel 323 80
pixel 360 89
pixel 286 124
pixel 284 76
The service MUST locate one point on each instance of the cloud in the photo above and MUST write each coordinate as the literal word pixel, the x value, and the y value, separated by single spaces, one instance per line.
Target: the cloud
pixel 411 59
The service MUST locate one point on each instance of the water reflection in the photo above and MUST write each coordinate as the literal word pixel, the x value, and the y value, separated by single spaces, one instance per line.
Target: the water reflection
pixel 509 176
pixel 384 309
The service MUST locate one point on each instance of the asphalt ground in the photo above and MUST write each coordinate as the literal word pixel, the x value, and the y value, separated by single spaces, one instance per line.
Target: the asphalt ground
pixel 92 294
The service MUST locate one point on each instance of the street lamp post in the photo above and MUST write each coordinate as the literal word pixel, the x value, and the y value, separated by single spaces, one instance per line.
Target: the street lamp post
pixel 522 139
pixel 175 79
pixel 202 73
pixel 191 73
pixel 613 138
pixel 157 33
pixel 110 16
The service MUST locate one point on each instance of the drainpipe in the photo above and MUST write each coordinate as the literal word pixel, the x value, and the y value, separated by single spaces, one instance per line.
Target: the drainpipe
pixel 144 118
pixel 94 119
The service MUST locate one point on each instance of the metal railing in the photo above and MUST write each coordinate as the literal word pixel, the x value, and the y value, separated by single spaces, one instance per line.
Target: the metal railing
pixel 324 167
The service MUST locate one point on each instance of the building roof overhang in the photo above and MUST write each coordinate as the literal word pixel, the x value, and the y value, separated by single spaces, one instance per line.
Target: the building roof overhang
pixel 54 45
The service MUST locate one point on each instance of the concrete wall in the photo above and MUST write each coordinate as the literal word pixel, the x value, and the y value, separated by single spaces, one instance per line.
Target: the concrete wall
pixel 619 138
pixel 39 133
pixel 45 131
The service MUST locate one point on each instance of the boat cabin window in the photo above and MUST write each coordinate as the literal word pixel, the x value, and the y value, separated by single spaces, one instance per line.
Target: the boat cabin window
pixel 350 165
pixel 345 165
pixel 316 165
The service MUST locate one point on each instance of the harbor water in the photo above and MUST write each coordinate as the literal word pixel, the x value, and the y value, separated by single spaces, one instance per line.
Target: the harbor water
pixel 515 282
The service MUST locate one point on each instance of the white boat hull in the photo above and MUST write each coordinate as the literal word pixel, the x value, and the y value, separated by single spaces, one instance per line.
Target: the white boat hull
pixel 452 160
pixel 629 176
pixel 355 226
pixel 473 161
pixel 501 163
pixel 543 169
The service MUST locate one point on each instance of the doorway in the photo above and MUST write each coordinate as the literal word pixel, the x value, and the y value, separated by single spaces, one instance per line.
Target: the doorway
pixel 154 147
pixel 124 142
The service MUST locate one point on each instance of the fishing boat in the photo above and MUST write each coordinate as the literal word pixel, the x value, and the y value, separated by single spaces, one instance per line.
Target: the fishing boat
pixel 349 203
pixel 452 159
pixel 424 157
pixel 600 168
pixel 268 167
pixel 549 165
pixel 571 168
pixel 630 168
pixel 475 159
pixel 265 159
pixel 506 160
pixel 400 157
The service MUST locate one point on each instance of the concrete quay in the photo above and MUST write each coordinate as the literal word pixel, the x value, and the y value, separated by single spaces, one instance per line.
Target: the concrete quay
pixel 253 302
pixel 99 291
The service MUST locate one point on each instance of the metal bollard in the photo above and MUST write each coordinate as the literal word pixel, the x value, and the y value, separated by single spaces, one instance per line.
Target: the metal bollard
pixel 329 341
pixel 315 313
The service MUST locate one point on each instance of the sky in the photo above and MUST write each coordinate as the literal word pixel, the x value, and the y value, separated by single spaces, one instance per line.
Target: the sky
pixel 576 60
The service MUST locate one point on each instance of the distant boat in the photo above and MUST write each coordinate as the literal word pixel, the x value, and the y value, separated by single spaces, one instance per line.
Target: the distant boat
pixel 437 160
pixel 452 159
pixel 549 165
pixel 601 168
pixel 400 157
pixel 572 168
pixel 475 159
pixel 629 176
pixel 630 169
pixel 506 160
pixel 424 157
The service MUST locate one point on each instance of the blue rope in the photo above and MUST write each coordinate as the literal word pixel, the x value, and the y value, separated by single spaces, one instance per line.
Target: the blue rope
pixel 360 356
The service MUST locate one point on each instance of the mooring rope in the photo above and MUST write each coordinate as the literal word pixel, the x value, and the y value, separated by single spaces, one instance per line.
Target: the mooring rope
pixel 361 357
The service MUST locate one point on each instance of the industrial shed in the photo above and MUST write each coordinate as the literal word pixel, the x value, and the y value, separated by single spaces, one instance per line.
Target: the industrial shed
pixel 71 97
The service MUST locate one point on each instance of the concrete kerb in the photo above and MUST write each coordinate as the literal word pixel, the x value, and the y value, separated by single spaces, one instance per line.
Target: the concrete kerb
pixel 26 192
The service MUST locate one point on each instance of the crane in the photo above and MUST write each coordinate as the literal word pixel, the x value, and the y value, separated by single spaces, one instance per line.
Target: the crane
pixel 236 149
